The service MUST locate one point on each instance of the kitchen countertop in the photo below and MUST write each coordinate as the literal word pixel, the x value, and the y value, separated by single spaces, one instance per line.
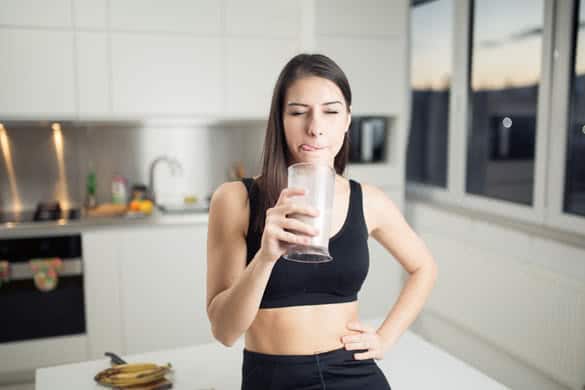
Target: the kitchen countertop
pixel 31 229
pixel 413 363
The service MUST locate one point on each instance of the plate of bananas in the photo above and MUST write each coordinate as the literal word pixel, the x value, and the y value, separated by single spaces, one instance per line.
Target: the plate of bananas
pixel 135 376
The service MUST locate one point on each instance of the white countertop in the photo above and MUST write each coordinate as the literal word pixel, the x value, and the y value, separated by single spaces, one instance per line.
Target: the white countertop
pixel 413 363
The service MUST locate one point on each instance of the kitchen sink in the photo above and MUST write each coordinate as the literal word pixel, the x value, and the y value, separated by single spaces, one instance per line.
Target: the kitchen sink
pixel 183 209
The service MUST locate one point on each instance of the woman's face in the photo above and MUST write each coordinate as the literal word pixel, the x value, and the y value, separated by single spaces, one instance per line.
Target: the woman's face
pixel 315 118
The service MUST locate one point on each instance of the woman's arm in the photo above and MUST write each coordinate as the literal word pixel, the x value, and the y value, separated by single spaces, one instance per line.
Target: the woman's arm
pixel 392 231
pixel 389 228
pixel 234 291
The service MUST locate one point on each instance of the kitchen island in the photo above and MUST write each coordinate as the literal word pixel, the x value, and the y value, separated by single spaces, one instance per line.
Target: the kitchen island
pixel 412 364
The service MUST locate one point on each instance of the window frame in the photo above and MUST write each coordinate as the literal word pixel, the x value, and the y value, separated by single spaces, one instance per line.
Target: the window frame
pixel 552 113
pixel 556 217
pixel 427 190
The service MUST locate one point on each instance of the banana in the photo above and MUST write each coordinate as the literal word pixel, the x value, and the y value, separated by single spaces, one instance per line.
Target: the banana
pixel 133 367
pixel 127 375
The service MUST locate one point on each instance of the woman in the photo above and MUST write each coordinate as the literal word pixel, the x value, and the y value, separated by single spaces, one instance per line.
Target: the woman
pixel 300 320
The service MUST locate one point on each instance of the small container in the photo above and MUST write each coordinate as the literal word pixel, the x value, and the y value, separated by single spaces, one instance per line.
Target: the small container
pixel 119 190
pixel 139 192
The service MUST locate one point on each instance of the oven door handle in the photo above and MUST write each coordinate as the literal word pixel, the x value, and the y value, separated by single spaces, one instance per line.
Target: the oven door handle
pixel 22 271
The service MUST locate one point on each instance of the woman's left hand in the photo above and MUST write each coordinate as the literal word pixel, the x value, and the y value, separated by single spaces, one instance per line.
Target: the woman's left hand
pixel 367 338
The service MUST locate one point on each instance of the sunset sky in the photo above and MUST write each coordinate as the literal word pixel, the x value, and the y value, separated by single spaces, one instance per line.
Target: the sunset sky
pixel 506 48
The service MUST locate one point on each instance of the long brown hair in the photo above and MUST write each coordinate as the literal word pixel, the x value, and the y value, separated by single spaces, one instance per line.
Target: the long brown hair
pixel 275 155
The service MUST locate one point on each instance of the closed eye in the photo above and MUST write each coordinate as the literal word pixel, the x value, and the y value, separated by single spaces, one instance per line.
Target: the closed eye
pixel 301 113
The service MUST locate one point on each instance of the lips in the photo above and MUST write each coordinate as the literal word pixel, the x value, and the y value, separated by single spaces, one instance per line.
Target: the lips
pixel 311 148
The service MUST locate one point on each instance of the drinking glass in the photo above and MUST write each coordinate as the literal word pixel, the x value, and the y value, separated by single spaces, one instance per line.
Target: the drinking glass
pixel 318 180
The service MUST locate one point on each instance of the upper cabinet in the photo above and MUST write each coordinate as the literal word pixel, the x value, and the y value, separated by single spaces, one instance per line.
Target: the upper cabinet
pixel 263 18
pixel 93 82
pixel 165 74
pixel 252 69
pixel 90 14
pixel 374 69
pixel 367 40
pixel 166 60
pixel 365 18
pixel 36 13
pixel 261 36
pixel 178 16
pixel 36 73
pixel 104 59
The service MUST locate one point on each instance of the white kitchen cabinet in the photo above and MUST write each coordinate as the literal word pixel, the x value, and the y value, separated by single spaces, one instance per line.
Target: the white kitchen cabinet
pixel 253 66
pixel 181 16
pixel 373 18
pixel 366 39
pixel 263 18
pixel 189 58
pixel 93 82
pixel 163 287
pixel 103 307
pixel 145 288
pixel 36 73
pixel 165 74
pixel 37 13
pixel 375 69
pixel 90 14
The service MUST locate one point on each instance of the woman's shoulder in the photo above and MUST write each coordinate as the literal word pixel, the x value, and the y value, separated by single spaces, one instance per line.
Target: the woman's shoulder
pixel 229 191
pixel 378 205
pixel 229 201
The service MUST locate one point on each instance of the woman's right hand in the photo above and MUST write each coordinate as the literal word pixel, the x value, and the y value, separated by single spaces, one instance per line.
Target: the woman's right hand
pixel 275 239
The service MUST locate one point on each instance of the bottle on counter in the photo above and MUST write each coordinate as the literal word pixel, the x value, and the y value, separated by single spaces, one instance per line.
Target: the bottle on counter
pixel 90 188
pixel 119 190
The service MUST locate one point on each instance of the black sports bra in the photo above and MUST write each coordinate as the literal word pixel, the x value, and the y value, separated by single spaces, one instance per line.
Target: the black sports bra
pixel 298 284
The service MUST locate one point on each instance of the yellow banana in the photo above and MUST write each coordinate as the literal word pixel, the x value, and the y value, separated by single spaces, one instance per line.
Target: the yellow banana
pixel 131 367
pixel 127 375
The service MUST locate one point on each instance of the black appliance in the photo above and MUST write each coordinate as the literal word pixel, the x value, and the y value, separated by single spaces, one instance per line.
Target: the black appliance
pixel 367 139
pixel 44 211
pixel 27 312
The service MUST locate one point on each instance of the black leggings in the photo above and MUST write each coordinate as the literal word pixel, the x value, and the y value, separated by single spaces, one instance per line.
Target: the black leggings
pixel 331 370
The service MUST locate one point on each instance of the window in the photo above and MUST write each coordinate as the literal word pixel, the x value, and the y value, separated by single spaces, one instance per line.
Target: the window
pixel 514 75
pixel 506 56
pixel 574 200
pixel 431 67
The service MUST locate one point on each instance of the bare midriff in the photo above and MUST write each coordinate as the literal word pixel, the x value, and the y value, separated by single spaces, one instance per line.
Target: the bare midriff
pixel 300 330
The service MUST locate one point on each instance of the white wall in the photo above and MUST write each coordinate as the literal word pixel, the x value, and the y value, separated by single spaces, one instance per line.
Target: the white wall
pixel 509 302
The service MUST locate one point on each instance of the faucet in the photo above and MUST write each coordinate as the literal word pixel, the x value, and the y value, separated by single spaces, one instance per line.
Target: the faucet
pixel 175 167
